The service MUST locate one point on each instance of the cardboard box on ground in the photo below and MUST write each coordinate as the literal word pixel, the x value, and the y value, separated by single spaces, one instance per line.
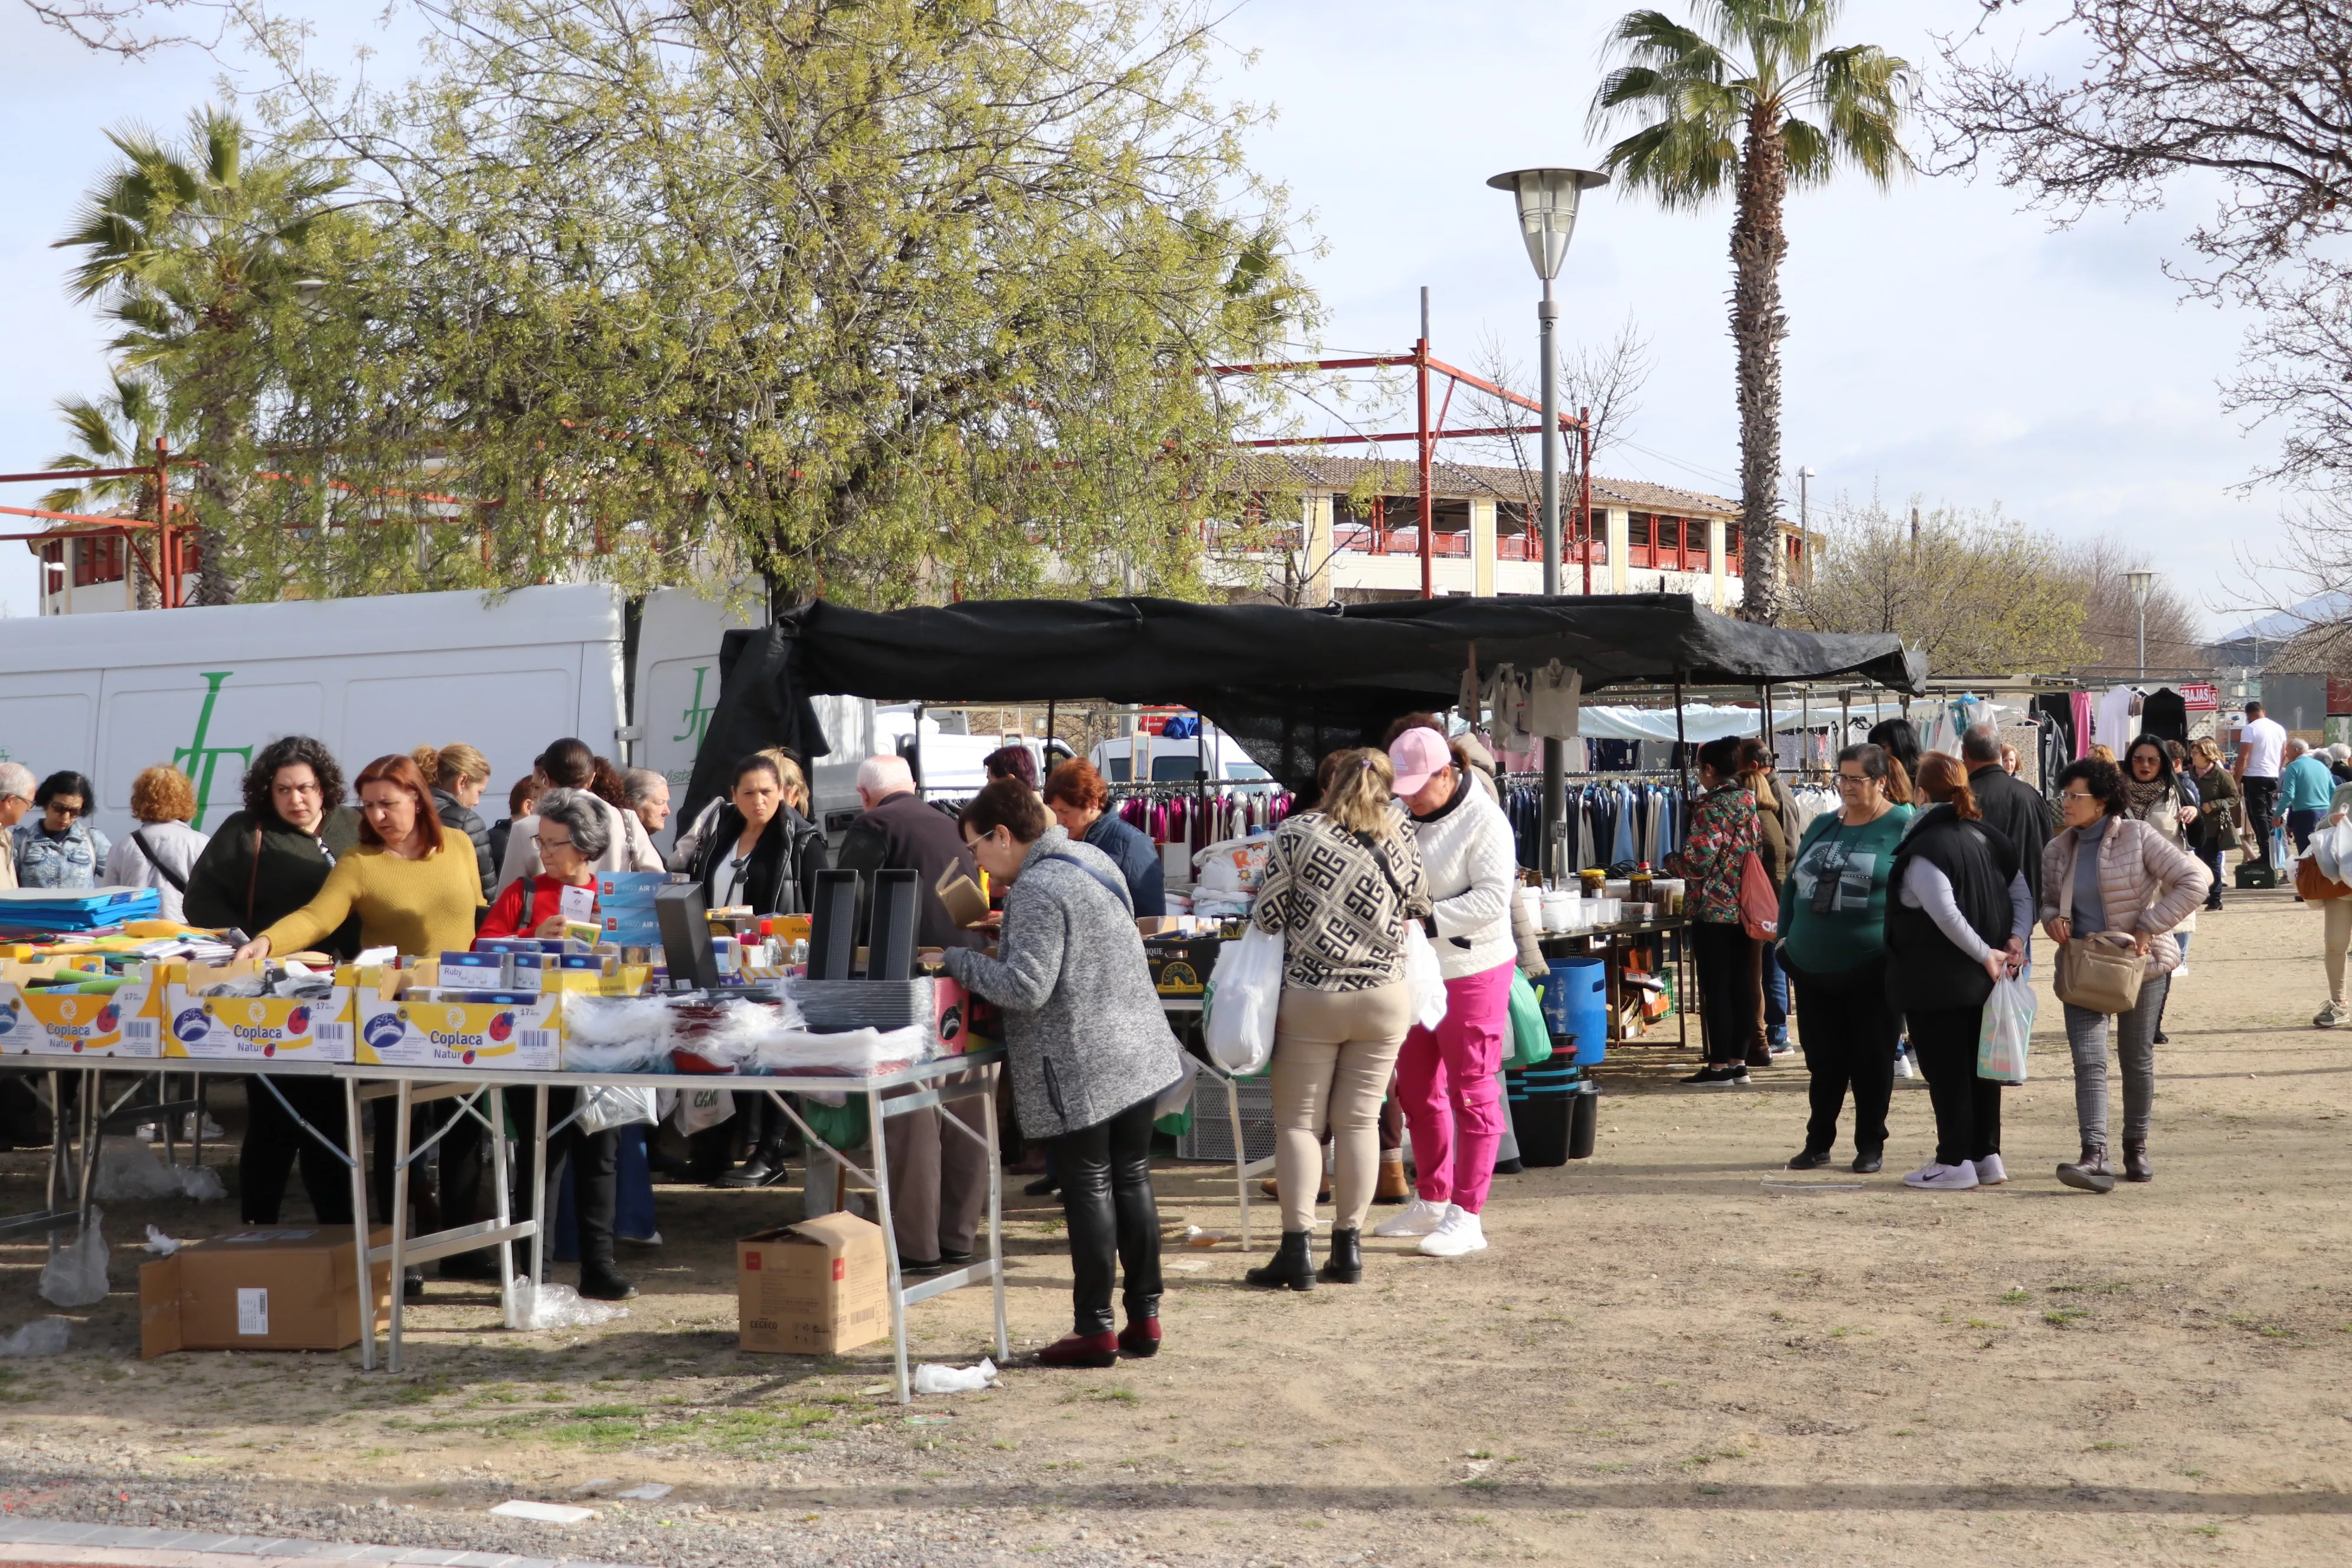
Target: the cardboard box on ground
pixel 813 1289
pixel 286 1288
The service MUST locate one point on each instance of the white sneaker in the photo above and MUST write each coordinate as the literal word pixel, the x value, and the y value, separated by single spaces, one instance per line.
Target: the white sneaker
pixel 1458 1232
pixel 1903 1068
pixel 1420 1217
pixel 2329 1017
pixel 1922 1173
pixel 1956 1178
pixel 1990 1172
pixel 2181 972
pixel 188 1127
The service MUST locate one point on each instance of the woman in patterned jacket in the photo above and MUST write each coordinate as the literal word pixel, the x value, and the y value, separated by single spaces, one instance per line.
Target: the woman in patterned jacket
pixel 1723 830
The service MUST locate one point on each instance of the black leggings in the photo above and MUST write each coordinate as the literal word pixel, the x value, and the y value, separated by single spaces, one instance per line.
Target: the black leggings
pixel 1967 1108
pixel 274 1145
pixel 1848 1033
pixel 1106 1173
pixel 1722 955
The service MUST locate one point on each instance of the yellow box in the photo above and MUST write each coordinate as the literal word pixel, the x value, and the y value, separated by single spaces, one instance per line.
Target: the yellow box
pixel 129 1023
pixel 250 1028
pixel 402 1032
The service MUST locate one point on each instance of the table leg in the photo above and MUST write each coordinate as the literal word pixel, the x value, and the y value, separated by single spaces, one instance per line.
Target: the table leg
pixel 875 1119
pixel 363 1233
pixel 93 1089
pixel 60 1141
pixel 995 1213
pixel 1240 1155
pixel 538 1186
pixel 399 1218
pixel 498 1139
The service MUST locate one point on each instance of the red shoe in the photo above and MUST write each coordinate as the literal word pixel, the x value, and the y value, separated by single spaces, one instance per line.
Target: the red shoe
pixel 1141 1338
pixel 1081 1350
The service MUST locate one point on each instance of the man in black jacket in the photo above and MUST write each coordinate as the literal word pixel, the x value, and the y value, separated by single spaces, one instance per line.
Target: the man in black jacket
pixel 939 1178
pixel 2010 804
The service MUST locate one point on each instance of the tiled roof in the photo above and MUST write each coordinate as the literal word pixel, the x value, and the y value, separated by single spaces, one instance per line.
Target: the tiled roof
pixel 1297 468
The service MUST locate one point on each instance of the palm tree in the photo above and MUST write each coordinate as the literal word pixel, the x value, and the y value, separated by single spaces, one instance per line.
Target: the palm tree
pixel 1747 95
pixel 117 431
pixel 186 245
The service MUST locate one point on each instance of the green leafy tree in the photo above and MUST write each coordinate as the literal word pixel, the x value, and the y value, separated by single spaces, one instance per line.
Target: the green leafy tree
pixel 1747 97
pixel 117 431
pixel 894 301
pixel 185 248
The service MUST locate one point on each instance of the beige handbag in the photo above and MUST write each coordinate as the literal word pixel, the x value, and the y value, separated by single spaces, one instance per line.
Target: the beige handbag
pixel 2094 972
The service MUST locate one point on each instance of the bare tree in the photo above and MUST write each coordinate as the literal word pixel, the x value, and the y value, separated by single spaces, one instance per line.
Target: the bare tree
pixel 130 28
pixel 2097 568
pixel 1605 377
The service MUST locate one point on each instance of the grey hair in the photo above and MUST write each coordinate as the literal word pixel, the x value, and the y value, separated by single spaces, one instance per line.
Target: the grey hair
pixel 640 784
pixel 578 811
pixel 16 782
pixel 1981 744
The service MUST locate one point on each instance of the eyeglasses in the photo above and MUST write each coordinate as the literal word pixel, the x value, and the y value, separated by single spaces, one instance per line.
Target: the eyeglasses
pixel 1856 780
pixel 547 843
pixel 59 808
pixel 311 788
pixel 2075 794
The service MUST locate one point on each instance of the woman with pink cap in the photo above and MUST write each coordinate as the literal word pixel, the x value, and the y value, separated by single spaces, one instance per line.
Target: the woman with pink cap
pixel 1446 1076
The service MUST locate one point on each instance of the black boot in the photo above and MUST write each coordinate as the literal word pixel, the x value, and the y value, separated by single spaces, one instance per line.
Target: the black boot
pixel 2091 1173
pixel 600 1281
pixel 2135 1165
pixel 1345 1264
pixel 765 1168
pixel 1293 1267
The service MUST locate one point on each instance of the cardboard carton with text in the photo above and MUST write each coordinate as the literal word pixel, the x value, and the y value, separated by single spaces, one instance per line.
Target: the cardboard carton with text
pixel 813 1289
pixel 280 1288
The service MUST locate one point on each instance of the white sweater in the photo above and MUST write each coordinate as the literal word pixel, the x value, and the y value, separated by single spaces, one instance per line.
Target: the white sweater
pixel 1469 856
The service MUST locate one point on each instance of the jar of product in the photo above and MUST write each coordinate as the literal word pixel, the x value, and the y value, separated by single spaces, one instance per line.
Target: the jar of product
pixel 1638 886
pixel 1593 880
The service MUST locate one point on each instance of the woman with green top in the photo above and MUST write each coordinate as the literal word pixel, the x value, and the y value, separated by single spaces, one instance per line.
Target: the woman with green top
pixel 1833 945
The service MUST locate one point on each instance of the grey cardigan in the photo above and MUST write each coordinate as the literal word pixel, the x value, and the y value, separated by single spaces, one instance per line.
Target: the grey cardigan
pixel 1084 1032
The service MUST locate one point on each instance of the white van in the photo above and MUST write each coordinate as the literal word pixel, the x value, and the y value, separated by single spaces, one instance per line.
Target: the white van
pixel 1157 759
pixel 205 688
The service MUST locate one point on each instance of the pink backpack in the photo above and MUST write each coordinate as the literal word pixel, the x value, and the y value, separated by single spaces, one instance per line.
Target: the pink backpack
pixel 1759 900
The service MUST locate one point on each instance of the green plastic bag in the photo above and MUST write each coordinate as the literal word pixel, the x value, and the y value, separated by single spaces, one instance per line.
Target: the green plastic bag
pixel 1531 1040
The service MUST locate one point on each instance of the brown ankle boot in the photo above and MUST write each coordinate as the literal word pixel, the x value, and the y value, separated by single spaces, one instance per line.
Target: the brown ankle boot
pixel 1393 1188
pixel 2135 1165
pixel 2091 1173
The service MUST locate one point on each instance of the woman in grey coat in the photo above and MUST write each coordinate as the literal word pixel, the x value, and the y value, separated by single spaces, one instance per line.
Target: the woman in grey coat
pixel 1089 1049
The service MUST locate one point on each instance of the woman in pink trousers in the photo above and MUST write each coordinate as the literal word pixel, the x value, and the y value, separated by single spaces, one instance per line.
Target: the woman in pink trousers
pixel 1446 1076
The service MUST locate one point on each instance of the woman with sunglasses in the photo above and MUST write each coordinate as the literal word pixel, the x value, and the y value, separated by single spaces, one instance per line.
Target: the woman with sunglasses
pixel 2113 877
pixel 61 849
pixel 1833 945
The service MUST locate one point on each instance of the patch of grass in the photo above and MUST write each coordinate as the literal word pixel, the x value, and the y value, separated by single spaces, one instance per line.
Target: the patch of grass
pixel 2015 1295
pixel 2210 1532
pixel 1982 1323
pixel 1840 1333
pixel 1481 1453
pixel 2106 1446
pixel 2111 1288
pixel 2064 1317
pixel 555 1396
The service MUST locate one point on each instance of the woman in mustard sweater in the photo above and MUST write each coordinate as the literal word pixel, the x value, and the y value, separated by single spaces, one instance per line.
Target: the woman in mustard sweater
pixel 413 882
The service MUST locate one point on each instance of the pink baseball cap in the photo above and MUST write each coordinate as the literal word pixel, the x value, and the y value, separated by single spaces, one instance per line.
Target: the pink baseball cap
pixel 1416 755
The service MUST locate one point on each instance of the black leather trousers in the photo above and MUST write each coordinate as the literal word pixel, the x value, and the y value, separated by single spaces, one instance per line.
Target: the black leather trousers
pixel 1114 1222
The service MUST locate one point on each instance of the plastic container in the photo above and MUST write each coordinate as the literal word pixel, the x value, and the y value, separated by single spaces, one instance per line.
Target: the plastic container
pixel 1583 1122
pixel 1576 1009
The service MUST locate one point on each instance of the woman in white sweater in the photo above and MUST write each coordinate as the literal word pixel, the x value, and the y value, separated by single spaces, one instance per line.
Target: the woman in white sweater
pixel 1446 1076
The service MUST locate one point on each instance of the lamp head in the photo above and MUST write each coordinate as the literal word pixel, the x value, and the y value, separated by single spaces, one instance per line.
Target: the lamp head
pixel 2141 582
pixel 307 291
pixel 1547 200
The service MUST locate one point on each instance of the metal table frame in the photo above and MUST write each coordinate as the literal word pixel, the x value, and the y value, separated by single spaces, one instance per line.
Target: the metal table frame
pixel 916 1088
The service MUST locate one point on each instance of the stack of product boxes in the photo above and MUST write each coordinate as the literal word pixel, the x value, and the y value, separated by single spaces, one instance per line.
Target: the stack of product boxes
pixel 625 907
pixel 43 1012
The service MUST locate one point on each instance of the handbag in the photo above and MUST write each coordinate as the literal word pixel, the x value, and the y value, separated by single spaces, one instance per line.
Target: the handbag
pixel 2312 885
pixel 1530 1037
pixel 2094 972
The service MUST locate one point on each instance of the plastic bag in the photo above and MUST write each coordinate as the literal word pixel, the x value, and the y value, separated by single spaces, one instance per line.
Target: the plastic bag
pixel 76 1275
pixel 2007 1031
pixel 1530 1039
pixel 932 1378
pixel 1231 865
pixel 1178 1096
pixel 851 1050
pixel 133 1171
pixel 701 1108
pixel 1244 993
pixel 552 1306
pixel 610 1108
pixel 1423 978
pixel 42 1336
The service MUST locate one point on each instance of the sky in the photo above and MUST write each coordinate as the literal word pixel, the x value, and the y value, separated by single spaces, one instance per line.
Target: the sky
pixel 1944 343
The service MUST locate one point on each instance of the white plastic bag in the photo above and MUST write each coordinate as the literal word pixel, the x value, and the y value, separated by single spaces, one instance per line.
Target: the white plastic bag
pixel 610 1108
pixel 1244 993
pixel 932 1378
pixel 1424 981
pixel 42 1336
pixel 1231 865
pixel 76 1275
pixel 1177 1095
pixel 2332 848
pixel 2007 1032
pixel 552 1306
pixel 130 1169
pixel 701 1108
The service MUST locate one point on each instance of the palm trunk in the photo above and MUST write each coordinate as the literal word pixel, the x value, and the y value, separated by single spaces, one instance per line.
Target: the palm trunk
pixel 214 506
pixel 1759 244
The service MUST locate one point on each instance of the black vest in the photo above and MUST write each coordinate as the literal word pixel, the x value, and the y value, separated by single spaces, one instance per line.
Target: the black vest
pixel 1925 972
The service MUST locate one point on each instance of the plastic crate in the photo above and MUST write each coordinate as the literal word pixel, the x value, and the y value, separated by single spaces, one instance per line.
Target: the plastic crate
pixel 1211 1137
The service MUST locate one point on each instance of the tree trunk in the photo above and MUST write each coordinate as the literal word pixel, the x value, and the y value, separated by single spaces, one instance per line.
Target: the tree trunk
pixel 214 506
pixel 1758 242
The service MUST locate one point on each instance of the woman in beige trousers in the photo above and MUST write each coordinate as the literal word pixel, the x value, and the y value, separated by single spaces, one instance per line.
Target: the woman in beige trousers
pixel 1339 884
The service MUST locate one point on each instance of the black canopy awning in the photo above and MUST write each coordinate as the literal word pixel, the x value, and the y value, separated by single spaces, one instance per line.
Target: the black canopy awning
pixel 1288 684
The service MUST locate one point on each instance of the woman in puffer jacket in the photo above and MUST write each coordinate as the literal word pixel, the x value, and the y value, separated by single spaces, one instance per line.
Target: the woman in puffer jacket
pixel 1447 1076
pixel 2108 875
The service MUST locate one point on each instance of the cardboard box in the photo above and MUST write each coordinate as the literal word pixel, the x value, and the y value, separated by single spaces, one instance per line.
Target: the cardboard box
pixel 813 1289
pixel 252 1028
pixel 127 1023
pixel 965 903
pixel 524 1035
pixel 1181 966
pixel 634 888
pixel 283 1288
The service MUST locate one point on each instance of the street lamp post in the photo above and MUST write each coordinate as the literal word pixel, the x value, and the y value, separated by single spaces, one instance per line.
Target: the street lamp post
pixel 1546 202
pixel 2141 582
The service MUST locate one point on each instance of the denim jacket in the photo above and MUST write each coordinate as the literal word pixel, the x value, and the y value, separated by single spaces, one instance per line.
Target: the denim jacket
pixel 71 859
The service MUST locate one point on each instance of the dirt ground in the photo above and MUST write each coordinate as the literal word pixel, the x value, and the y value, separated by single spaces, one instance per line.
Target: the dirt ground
pixel 1673 1352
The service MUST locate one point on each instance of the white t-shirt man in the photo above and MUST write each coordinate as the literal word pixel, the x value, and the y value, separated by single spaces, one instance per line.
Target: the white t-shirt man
pixel 2262 739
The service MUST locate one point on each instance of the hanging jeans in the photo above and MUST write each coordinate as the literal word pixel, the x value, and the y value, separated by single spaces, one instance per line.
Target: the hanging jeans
pixel 1967 1108
pixel 1848 1033
pixel 1447 1083
pixel 1113 1222
pixel 2135 1032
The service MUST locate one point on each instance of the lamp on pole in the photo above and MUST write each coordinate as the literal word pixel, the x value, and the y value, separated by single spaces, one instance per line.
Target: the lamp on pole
pixel 2141 582
pixel 1546 202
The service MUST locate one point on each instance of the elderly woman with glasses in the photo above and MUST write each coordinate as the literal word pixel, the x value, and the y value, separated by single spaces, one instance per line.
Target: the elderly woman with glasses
pixel 1832 933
